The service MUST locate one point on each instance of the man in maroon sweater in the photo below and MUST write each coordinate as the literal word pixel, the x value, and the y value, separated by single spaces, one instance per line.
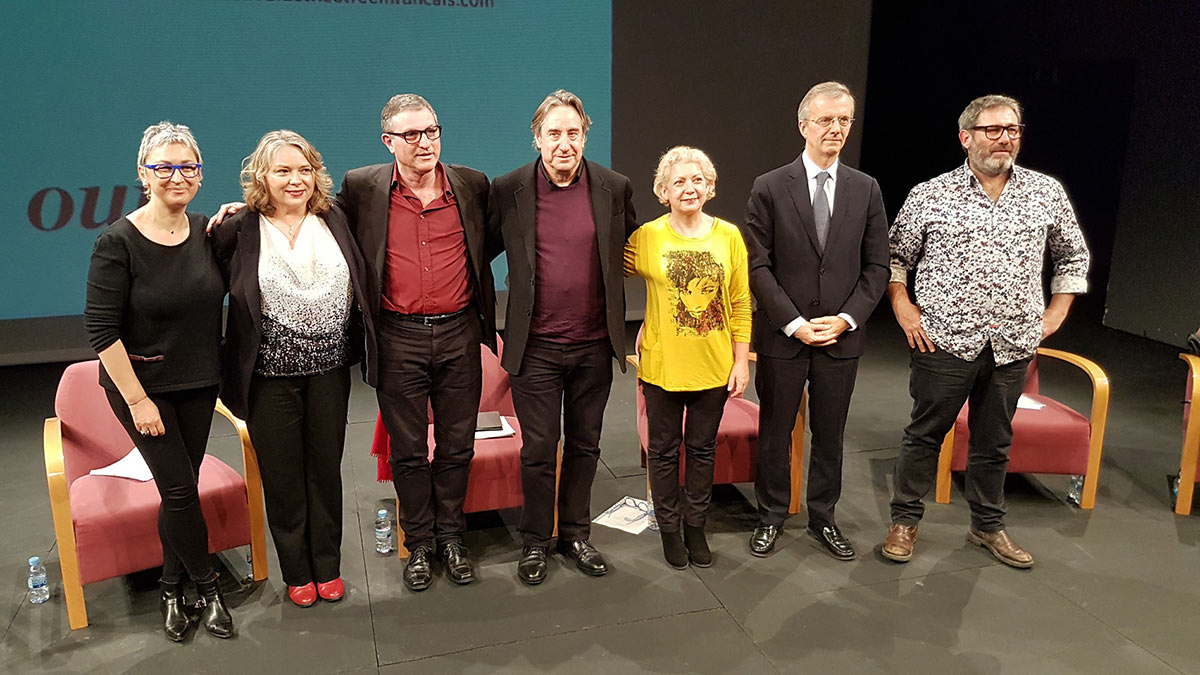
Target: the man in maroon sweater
pixel 564 221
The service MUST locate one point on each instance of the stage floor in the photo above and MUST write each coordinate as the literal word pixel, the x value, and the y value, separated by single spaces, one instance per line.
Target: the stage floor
pixel 1112 590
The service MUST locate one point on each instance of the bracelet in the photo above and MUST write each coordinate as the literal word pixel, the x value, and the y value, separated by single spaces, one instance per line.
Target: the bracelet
pixel 143 398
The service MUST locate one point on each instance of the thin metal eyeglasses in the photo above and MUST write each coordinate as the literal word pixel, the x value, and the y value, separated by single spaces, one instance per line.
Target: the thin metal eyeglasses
pixel 413 137
pixel 826 122
pixel 993 131
pixel 166 170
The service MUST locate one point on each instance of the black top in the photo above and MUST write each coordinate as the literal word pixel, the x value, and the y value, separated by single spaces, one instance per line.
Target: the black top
pixel 162 302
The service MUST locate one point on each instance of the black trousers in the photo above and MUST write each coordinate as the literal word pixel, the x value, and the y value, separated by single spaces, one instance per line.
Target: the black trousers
pixel 571 381
pixel 691 419
pixel 298 426
pixel 423 368
pixel 939 384
pixel 174 460
pixel 780 384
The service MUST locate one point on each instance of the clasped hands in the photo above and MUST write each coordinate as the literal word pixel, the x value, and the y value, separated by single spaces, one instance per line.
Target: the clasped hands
pixel 821 331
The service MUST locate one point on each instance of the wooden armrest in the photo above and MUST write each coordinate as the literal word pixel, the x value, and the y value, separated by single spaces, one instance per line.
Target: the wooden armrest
pixel 753 357
pixel 1191 441
pixel 632 359
pixel 1098 419
pixel 64 525
pixel 254 495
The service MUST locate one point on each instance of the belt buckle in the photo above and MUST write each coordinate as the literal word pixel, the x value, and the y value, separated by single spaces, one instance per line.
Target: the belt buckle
pixel 428 321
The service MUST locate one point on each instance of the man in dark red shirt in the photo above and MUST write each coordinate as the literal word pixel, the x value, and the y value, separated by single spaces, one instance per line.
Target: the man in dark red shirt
pixel 422 230
pixel 564 221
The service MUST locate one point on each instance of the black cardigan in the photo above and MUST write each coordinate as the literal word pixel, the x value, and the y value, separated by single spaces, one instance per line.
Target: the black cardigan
pixel 237 244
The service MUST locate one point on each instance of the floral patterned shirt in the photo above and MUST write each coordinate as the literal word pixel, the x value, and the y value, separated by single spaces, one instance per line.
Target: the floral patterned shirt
pixel 979 265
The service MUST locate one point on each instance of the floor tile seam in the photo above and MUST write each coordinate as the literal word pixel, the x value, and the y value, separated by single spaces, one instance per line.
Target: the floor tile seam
pixel 1106 624
pixel 750 638
pixel 573 631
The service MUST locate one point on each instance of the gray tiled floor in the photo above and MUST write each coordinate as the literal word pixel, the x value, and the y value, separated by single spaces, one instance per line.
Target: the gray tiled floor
pixel 1113 590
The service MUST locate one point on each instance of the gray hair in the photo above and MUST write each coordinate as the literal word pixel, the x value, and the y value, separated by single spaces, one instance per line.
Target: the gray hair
pixel 679 155
pixel 970 115
pixel 401 102
pixel 555 99
pixel 829 89
pixel 166 133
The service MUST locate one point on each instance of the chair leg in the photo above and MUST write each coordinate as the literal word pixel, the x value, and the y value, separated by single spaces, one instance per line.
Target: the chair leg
pixel 797 460
pixel 401 551
pixel 945 458
pixel 557 477
pixel 1187 465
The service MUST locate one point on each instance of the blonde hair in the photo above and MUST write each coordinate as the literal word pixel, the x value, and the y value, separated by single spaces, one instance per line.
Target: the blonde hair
pixel 256 166
pixel 678 155
pixel 555 99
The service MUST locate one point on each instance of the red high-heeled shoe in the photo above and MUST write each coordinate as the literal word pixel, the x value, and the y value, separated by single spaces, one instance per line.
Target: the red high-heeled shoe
pixel 332 591
pixel 303 596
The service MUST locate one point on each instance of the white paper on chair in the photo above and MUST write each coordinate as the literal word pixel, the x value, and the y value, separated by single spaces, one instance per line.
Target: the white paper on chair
pixel 503 432
pixel 1029 404
pixel 131 466
pixel 630 515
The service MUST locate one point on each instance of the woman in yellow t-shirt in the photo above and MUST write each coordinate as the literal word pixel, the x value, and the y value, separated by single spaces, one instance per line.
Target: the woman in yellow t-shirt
pixel 695 343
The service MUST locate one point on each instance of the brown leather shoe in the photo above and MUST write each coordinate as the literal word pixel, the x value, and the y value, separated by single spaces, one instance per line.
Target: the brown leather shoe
pixel 1002 546
pixel 898 545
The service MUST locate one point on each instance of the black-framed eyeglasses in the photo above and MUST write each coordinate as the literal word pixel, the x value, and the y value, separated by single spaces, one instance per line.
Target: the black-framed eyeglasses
pixel 413 137
pixel 165 170
pixel 827 122
pixel 993 131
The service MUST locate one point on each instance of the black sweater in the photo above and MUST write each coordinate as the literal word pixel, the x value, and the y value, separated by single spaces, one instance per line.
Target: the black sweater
pixel 162 302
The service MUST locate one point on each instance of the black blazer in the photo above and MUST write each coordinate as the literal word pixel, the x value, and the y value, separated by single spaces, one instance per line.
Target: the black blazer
pixel 237 244
pixel 366 196
pixel 512 208
pixel 790 276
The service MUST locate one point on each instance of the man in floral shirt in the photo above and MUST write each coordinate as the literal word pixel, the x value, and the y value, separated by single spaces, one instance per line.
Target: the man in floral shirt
pixel 976 237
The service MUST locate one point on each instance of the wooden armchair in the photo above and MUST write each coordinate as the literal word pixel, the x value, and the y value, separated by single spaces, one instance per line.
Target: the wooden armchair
pixel 1189 471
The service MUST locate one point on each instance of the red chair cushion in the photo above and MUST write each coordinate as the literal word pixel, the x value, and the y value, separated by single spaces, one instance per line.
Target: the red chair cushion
pixel 1052 440
pixel 116 519
pixel 495 478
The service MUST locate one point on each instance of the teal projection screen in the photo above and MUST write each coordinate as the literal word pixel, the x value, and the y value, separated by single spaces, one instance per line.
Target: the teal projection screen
pixel 81 80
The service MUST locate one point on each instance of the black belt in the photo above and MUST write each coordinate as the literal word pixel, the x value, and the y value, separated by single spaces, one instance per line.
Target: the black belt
pixel 429 319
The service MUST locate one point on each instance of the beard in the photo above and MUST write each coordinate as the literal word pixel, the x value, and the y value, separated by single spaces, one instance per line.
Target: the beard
pixel 989 164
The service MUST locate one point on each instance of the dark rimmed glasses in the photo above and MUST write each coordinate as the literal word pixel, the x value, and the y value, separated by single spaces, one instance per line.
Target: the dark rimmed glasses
pixel 165 170
pixel 413 137
pixel 993 131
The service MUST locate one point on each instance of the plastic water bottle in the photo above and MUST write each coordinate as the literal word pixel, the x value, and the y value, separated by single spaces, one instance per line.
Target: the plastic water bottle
pixel 383 533
pixel 39 592
pixel 651 517
pixel 1075 490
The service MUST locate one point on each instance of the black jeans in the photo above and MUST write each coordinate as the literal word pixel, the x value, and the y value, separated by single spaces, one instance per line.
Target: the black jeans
pixel 298 425
pixel 571 380
pixel 939 385
pixel 697 432
pixel 423 368
pixel 780 384
pixel 174 460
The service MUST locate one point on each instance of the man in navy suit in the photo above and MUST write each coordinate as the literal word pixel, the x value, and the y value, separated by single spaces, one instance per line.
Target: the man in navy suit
pixel 817 238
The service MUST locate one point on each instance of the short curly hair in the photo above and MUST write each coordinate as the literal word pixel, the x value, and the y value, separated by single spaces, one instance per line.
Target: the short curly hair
pixel 255 168
pixel 678 155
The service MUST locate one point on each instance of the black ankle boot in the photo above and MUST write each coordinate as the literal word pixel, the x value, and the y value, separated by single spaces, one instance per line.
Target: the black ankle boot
pixel 176 620
pixel 697 546
pixel 673 550
pixel 213 613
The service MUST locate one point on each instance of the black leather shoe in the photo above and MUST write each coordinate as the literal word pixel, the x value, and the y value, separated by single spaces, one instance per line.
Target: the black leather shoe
pixel 531 570
pixel 176 619
pixel 213 612
pixel 762 542
pixel 458 564
pixel 697 546
pixel 586 557
pixel 833 541
pixel 418 573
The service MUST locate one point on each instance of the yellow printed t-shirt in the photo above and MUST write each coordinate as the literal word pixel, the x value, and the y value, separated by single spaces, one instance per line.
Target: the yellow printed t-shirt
pixel 697 303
